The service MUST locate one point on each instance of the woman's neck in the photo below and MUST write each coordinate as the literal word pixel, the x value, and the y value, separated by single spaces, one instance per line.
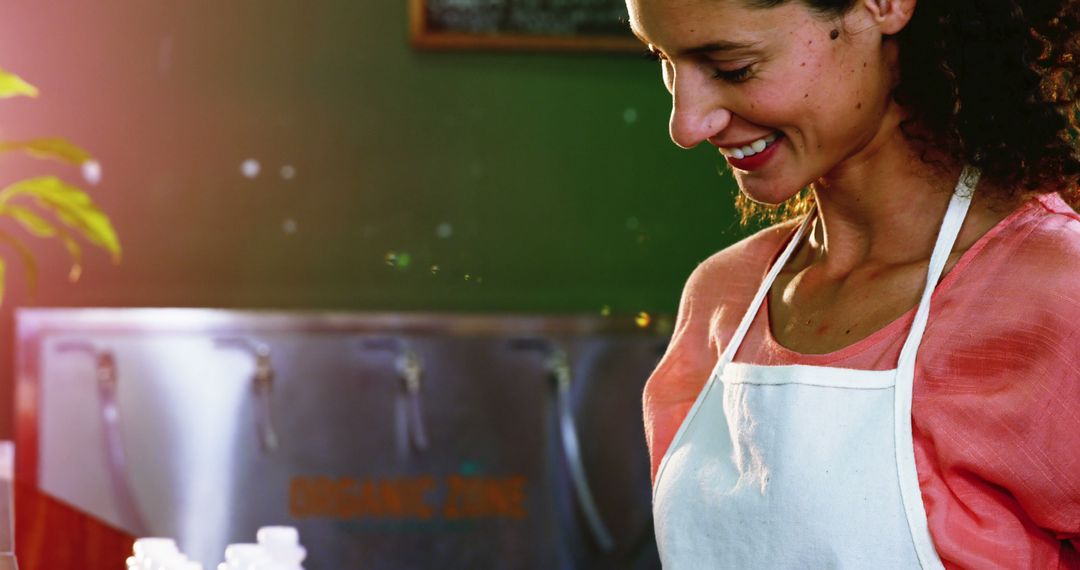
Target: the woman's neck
pixel 883 206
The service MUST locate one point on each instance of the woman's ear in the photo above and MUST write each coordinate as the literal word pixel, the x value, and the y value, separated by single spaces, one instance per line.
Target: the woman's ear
pixel 891 15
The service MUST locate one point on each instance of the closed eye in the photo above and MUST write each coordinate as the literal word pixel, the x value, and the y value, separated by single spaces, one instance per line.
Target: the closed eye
pixel 735 75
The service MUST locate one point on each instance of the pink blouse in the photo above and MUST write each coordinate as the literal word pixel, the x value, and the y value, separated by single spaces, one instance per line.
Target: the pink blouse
pixel 996 405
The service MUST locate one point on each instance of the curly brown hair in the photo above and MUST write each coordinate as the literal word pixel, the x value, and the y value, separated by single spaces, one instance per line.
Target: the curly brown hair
pixel 994 83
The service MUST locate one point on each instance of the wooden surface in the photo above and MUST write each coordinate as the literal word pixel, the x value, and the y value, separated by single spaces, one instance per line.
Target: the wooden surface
pixel 52 535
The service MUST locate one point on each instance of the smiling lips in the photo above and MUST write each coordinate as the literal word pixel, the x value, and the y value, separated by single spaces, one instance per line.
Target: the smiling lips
pixel 750 149
pixel 753 155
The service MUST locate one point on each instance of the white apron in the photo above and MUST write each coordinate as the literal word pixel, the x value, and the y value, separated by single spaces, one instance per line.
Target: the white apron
pixel 801 467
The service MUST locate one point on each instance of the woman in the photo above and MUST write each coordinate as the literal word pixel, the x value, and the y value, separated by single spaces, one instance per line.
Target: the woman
pixel 892 379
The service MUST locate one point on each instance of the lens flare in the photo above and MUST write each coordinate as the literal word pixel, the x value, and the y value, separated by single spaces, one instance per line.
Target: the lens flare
pixel 642 320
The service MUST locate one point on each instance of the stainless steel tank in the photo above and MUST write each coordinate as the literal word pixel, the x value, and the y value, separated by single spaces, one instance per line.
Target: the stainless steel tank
pixel 389 440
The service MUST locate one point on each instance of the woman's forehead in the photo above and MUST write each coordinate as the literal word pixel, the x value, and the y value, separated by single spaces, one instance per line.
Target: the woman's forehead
pixel 676 25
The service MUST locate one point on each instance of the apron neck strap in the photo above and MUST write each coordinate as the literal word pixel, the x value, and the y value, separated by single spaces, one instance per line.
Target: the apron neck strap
pixel 748 317
pixel 950 229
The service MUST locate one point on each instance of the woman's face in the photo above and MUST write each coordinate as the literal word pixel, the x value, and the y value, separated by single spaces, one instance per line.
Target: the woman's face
pixel 805 93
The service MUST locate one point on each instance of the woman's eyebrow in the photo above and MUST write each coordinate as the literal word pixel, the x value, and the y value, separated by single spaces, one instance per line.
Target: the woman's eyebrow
pixel 710 47
pixel 718 46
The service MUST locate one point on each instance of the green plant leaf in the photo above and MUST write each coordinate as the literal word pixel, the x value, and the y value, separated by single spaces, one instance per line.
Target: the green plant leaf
pixel 72 206
pixel 29 220
pixel 12 85
pixel 27 256
pixel 52 147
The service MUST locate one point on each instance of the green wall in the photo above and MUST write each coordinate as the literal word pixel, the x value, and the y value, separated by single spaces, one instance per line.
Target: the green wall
pixel 553 172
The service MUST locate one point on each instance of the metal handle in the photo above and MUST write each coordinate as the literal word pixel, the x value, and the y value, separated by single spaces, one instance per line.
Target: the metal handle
pixel 107 379
pixel 557 364
pixel 262 387
pixel 410 369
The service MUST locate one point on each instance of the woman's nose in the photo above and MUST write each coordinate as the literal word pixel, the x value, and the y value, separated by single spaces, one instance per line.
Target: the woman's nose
pixel 697 112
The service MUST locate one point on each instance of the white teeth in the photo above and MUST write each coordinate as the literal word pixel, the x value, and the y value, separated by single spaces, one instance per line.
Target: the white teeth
pixel 752 148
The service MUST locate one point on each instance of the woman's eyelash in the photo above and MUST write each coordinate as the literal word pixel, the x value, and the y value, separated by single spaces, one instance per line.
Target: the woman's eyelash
pixel 735 75
pixel 732 76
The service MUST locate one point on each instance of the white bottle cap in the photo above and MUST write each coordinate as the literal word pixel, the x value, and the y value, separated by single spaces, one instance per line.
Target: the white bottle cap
pixel 283 535
pixel 282 543
pixel 152 552
pixel 153 547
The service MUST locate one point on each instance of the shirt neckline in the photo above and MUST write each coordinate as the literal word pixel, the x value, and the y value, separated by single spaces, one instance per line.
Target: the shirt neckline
pixel 901 322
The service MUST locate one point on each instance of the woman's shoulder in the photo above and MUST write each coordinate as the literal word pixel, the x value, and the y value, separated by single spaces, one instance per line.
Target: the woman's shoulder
pixel 718 290
pixel 1054 219
pixel 722 286
pixel 1027 271
pixel 741 264
pixel 1043 248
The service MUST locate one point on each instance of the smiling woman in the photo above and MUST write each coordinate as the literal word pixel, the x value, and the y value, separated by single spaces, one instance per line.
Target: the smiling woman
pixel 763 78
pixel 889 376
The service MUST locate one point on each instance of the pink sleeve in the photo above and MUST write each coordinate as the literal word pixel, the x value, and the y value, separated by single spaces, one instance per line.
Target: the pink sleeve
pixel 1000 412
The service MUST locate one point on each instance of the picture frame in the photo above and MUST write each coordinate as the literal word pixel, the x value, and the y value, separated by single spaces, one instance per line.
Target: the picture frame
pixel 533 25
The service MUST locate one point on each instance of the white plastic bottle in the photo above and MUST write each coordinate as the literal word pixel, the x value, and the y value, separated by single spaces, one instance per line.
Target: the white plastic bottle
pixel 181 563
pixel 155 553
pixel 244 556
pixel 282 544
